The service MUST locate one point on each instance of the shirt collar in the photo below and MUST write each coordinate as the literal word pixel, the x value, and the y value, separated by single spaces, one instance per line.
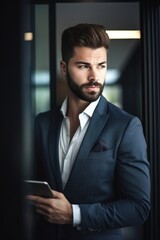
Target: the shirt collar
pixel 64 107
pixel 91 107
pixel 88 110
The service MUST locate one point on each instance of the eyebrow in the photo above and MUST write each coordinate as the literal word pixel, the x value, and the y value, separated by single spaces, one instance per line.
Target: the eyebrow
pixel 86 63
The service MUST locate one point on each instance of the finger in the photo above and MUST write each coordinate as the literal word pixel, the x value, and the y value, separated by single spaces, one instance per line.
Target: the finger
pixel 31 197
pixel 57 194
pixel 42 212
pixel 45 207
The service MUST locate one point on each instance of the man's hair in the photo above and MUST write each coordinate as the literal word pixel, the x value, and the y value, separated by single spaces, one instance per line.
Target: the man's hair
pixel 83 35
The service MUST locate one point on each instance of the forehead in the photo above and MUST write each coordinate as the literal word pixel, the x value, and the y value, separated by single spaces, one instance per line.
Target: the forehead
pixel 86 54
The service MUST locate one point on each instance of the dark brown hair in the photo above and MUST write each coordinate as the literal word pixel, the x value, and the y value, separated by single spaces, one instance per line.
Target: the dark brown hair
pixel 83 35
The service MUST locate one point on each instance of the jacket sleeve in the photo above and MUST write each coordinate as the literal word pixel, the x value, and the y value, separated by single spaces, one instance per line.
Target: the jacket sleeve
pixel 132 182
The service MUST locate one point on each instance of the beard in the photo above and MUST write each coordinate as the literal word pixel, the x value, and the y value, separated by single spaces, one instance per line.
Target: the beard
pixel 78 90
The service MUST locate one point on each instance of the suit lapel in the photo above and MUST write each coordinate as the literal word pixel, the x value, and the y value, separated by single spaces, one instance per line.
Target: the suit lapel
pixel 56 120
pixel 99 120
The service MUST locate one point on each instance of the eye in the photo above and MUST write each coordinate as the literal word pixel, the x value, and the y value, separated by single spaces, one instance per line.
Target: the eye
pixel 83 66
pixel 102 66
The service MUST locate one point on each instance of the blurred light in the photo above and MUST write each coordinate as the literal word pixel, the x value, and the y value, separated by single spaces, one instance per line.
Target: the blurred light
pixel 124 34
pixel 28 36
pixel 112 76
pixel 42 78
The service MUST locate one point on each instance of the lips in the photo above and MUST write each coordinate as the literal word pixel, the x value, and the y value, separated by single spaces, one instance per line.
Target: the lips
pixel 92 87
pixel 92 84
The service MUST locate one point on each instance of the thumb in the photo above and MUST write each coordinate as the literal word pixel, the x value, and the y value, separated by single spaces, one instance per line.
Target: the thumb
pixel 57 194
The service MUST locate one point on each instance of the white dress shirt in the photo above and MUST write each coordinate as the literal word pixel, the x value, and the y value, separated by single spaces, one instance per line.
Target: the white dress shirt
pixel 69 149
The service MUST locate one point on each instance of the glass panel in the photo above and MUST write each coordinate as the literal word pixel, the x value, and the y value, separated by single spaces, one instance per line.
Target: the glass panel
pixel 42 98
pixel 41 82
pixel 113 93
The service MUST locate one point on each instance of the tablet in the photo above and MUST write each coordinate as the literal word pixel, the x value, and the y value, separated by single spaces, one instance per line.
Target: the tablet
pixel 39 188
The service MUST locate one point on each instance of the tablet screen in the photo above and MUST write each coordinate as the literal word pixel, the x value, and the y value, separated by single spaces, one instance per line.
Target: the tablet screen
pixel 39 188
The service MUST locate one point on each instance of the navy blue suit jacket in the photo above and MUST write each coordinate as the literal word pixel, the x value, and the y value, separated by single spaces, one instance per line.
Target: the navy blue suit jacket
pixel 110 177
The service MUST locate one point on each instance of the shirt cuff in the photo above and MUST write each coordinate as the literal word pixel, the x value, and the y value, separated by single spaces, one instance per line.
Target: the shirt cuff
pixel 76 215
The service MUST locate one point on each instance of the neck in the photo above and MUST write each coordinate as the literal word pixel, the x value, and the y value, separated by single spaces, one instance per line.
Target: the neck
pixel 74 108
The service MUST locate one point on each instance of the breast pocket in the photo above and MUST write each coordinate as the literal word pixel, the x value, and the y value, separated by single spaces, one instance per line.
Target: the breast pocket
pixel 102 164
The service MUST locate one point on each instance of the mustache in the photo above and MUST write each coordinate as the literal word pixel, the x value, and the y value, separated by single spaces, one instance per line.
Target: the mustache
pixel 90 84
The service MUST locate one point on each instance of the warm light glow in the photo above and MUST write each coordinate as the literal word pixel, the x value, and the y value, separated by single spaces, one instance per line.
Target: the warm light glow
pixel 28 36
pixel 124 34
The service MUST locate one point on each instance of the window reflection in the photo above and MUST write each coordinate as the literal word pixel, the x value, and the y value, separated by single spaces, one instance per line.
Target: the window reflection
pixel 41 81
pixel 113 93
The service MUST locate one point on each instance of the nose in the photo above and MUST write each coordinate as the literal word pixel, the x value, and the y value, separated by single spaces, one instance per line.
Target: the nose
pixel 93 75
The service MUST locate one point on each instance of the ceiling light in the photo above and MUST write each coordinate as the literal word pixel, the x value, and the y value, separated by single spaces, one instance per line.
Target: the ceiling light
pixel 28 36
pixel 124 34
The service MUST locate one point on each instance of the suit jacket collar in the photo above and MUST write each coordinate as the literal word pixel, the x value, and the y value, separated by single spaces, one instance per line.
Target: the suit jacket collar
pixel 98 119
pixel 56 119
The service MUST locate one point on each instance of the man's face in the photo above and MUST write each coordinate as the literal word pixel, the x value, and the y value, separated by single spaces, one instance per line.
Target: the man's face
pixel 86 72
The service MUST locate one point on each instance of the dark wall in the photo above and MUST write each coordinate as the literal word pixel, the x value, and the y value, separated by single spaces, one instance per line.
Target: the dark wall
pixel 15 105
pixel 131 83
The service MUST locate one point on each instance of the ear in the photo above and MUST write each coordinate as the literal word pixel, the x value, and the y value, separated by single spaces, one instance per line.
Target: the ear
pixel 63 68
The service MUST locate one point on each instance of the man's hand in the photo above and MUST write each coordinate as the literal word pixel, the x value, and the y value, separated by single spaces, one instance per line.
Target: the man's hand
pixel 55 210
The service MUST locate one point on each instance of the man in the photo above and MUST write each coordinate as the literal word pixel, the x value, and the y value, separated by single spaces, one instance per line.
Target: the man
pixel 92 153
